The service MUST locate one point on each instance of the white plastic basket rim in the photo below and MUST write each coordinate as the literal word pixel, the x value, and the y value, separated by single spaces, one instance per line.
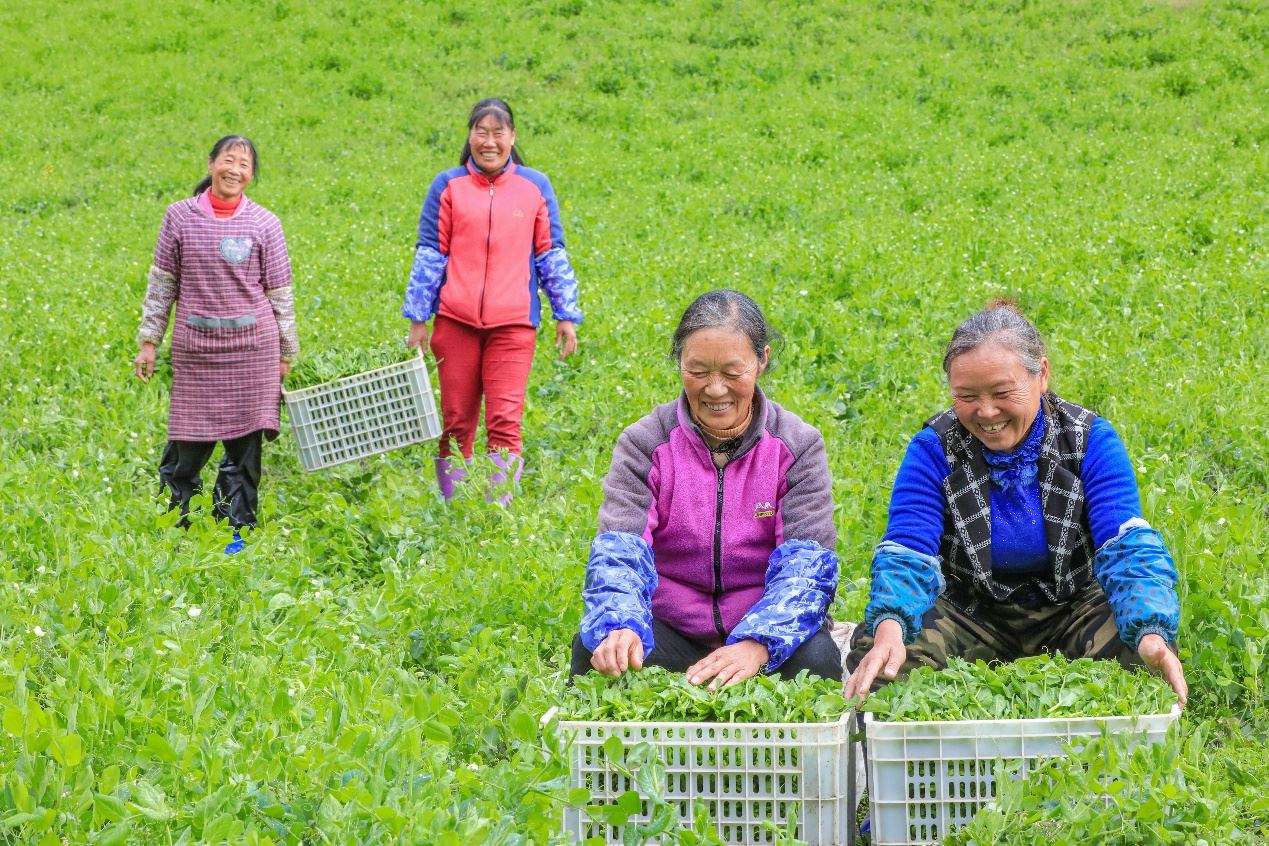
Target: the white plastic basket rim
pixel 365 375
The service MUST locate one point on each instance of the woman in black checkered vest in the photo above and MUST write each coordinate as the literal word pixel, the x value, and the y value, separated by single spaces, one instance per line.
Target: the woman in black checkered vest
pixel 1015 528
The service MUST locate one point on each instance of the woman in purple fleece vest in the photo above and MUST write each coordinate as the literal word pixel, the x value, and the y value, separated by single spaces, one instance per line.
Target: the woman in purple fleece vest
pixel 715 548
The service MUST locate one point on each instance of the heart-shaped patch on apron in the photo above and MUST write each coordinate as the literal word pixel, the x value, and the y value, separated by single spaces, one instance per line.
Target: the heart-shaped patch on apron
pixel 235 250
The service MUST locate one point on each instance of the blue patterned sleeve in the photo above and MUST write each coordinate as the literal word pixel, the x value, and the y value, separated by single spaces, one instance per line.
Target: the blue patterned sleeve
pixel 559 281
pixel 905 584
pixel 800 583
pixel 620 578
pixel 422 292
pixel 1139 577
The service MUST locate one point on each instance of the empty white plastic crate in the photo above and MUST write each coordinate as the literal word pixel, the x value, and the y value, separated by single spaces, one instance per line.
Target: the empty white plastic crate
pixel 746 773
pixel 926 779
pixel 365 414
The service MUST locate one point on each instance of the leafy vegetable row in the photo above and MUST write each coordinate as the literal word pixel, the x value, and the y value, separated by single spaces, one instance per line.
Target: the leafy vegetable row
pixel 1039 686
pixel 654 694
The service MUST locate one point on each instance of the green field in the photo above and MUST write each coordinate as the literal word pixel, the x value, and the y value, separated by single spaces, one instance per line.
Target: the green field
pixel 373 668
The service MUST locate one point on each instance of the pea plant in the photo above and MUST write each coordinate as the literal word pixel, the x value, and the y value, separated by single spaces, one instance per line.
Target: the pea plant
pixel 1112 793
pixel 1038 686
pixel 656 694
pixel 327 365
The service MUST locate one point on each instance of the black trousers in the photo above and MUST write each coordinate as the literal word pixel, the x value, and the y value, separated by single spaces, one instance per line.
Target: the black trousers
pixel 237 491
pixel 676 652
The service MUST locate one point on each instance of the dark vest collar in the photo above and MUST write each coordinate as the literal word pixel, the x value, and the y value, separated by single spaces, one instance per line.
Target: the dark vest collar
pixel 966 544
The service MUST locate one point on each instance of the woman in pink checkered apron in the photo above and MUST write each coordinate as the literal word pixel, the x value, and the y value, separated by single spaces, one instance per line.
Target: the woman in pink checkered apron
pixel 221 259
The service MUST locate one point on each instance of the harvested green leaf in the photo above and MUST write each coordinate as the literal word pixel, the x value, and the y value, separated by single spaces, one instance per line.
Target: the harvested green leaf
pixel 331 364
pixel 655 694
pixel 1039 686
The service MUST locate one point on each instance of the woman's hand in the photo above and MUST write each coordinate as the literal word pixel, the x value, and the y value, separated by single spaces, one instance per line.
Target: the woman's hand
pixel 285 368
pixel 886 656
pixel 566 337
pixel 1154 651
pixel 729 664
pixel 417 336
pixel 620 651
pixel 143 364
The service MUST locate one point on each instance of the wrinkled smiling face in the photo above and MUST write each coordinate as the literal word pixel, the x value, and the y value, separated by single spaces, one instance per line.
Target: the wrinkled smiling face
pixel 491 141
pixel 993 395
pixel 720 373
pixel 231 172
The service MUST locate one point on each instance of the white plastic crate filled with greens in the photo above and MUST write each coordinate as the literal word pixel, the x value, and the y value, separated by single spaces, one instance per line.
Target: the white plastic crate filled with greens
pixel 757 762
pixel 936 740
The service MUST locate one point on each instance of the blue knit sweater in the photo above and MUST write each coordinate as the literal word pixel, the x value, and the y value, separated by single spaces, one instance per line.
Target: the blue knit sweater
pixel 1131 563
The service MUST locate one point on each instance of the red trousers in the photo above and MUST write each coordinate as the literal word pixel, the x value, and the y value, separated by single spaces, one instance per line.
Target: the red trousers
pixel 471 363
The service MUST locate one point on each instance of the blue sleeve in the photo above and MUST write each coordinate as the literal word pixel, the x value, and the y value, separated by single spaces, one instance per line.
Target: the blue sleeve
pixel 1139 578
pixel 1110 484
pixel 917 505
pixel 906 574
pixel 555 273
pixel 427 275
pixel 905 584
pixel 800 583
pixel 423 290
pixel 620 579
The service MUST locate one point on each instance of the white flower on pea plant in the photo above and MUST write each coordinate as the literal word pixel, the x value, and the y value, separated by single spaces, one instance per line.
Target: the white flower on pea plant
pixel 37 631
pixel 194 611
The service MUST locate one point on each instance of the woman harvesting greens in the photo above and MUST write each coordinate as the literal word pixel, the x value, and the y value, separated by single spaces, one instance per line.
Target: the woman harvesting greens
pixel 489 236
pixel 222 260
pixel 715 548
pixel 1015 528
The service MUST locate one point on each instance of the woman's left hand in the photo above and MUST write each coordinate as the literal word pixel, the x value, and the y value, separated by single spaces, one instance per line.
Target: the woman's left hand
pixel 286 368
pixel 729 664
pixel 1154 651
pixel 566 337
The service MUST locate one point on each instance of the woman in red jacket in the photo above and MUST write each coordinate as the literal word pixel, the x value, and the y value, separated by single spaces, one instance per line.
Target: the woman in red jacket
pixel 489 236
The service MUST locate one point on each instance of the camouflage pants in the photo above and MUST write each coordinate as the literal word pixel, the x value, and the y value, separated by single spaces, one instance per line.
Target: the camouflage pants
pixel 1002 631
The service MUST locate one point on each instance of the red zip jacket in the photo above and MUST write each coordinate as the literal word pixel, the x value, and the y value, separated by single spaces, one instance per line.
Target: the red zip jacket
pixel 484 247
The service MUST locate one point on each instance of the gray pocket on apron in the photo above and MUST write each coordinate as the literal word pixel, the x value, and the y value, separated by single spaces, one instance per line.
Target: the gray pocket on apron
pixel 214 335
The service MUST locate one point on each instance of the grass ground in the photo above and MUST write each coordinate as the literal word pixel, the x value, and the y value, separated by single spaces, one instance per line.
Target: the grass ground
pixel 372 669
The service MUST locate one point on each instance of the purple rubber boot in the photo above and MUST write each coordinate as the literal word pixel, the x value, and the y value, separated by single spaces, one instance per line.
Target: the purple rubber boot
pixel 504 477
pixel 448 475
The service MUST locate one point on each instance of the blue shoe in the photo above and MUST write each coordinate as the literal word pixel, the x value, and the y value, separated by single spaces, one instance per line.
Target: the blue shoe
pixel 236 545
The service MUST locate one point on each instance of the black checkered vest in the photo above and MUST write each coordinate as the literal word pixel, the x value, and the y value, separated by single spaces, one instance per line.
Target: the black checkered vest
pixel 965 547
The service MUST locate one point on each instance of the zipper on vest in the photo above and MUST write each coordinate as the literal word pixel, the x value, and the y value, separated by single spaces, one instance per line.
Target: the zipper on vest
pixel 718 556
pixel 488 240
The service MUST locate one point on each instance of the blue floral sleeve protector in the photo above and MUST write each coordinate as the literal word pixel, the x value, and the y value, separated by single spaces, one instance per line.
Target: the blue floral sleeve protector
pixel 905 584
pixel 555 273
pixel 620 579
pixel 1139 577
pixel 422 292
pixel 800 582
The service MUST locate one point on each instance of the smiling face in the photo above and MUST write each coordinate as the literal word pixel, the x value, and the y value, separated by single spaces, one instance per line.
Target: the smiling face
pixel 993 395
pixel 720 372
pixel 491 140
pixel 231 172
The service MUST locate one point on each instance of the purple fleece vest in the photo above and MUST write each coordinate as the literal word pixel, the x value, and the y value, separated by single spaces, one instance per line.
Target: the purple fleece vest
pixel 663 485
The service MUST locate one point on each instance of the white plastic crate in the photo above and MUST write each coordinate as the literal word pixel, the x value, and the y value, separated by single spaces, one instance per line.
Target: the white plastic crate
pixel 926 779
pixel 746 773
pixel 365 414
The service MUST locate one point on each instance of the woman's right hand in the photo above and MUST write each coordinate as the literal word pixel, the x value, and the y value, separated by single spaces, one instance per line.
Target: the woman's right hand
pixel 418 335
pixel 620 651
pixel 886 656
pixel 143 364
